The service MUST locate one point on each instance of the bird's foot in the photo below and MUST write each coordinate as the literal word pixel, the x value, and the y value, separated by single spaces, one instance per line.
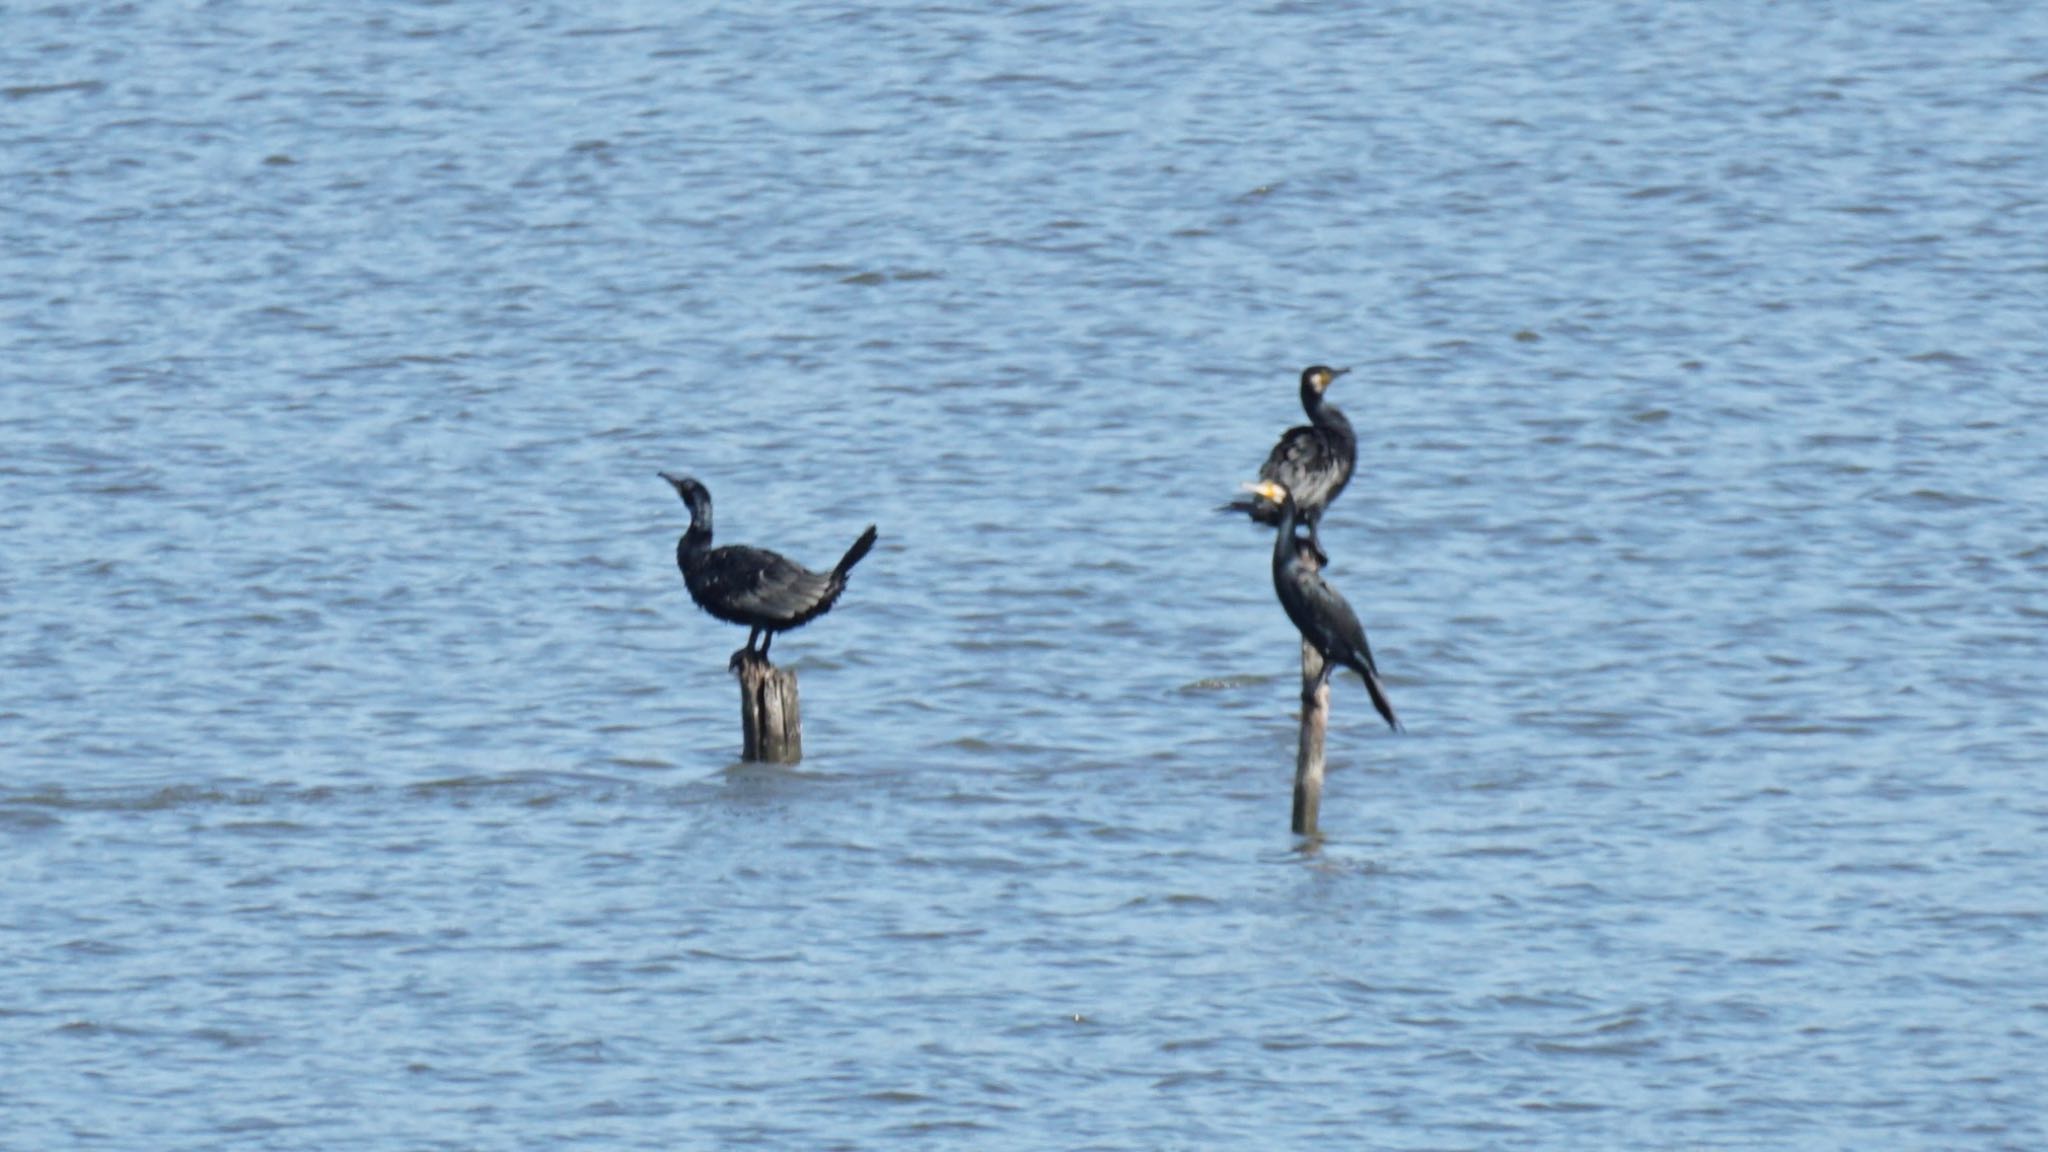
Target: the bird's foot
pixel 1310 552
pixel 742 658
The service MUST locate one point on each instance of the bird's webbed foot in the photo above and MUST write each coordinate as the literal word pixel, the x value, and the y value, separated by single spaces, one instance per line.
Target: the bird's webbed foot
pixel 1315 546
pixel 742 658
pixel 1310 690
pixel 1310 553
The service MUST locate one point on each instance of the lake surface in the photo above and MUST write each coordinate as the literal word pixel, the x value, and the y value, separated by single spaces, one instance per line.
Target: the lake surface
pixel 367 779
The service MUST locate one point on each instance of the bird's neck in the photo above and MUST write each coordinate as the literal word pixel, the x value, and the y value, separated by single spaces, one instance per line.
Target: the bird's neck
pixel 695 541
pixel 1284 540
pixel 1333 425
pixel 1321 413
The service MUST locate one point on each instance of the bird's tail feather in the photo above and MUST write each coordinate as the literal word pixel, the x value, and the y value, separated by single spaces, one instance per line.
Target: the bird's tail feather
pixel 1259 510
pixel 1380 702
pixel 853 554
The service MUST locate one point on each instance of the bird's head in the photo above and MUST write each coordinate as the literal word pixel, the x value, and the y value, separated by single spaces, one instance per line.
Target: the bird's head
pixel 693 493
pixel 1317 378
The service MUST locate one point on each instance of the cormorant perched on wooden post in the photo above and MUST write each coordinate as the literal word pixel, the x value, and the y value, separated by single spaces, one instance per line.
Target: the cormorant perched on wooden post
pixel 1330 635
pixel 1314 460
pixel 769 593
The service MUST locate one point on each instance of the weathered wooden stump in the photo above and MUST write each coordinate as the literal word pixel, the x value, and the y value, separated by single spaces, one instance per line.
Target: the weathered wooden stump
pixel 771 727
pixel 1308 758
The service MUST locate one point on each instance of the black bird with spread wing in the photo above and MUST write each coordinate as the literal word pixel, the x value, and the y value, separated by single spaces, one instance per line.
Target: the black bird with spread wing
pixel 1322 616
pixel 1314 460
pixel 764 590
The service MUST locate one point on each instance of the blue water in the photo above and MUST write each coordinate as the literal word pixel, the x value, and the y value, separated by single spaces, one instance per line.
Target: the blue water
pixel 367 779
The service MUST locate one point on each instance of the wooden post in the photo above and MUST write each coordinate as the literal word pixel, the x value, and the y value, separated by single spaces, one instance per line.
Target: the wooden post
pixel 1308 759
pixel 771 727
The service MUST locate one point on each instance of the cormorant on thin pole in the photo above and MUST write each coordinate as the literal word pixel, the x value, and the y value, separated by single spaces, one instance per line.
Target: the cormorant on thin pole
pixel 1322 616
pixel 1330 635
pixel 1314 460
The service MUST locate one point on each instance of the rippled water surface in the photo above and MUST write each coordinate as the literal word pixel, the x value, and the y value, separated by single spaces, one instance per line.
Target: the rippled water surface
pixel 367 779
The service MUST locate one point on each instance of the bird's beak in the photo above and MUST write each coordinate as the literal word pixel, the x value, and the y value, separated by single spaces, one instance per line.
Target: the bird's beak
pixel 670 477
pixel 1336 372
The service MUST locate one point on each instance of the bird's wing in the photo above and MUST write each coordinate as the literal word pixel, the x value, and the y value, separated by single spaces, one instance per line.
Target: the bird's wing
pixel 1342 635
pixel 757 582
pixel 1301 455
pixel 1317 611
pixel 1347 643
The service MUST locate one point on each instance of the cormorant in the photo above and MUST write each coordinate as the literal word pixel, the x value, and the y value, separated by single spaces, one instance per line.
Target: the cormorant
pixel 1324 619
pixel 1314 460
pixel 764 590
